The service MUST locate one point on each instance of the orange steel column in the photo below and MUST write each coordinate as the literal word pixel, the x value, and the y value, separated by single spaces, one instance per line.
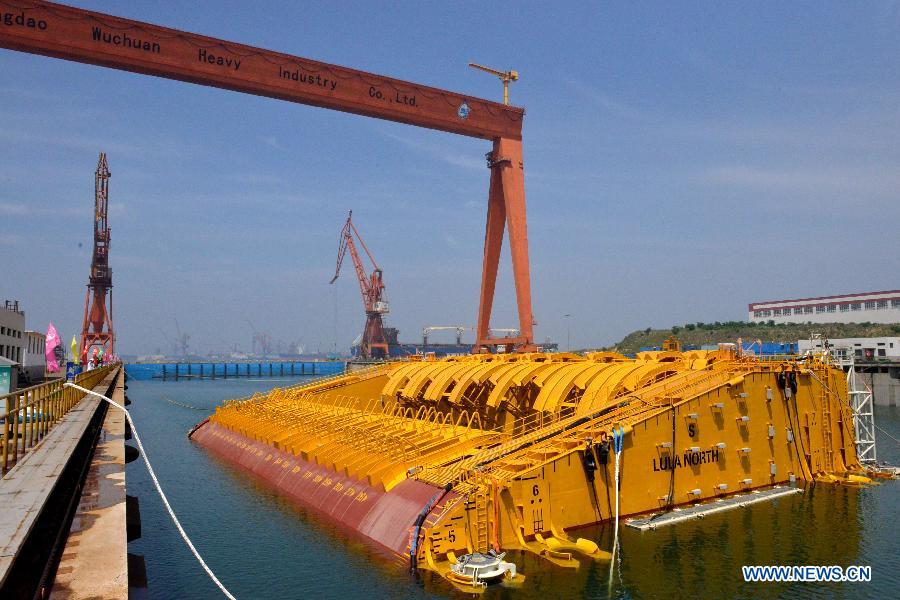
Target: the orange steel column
pixel 506 206
pixel 493 242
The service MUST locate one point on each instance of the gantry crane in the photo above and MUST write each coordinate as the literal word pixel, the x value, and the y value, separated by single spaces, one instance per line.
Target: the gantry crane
pixel 71 34
pixel 97 327
pixel 373 343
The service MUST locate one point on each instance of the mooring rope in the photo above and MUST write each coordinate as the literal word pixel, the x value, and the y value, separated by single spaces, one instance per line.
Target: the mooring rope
pixel 168 399
pixel 162 495
pixel 618 434
pixel 887 434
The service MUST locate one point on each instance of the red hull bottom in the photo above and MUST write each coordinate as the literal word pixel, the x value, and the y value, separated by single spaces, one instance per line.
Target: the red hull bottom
pixel 384 518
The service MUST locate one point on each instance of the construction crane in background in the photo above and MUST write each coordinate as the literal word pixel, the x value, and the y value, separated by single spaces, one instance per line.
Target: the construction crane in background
pixel 460 330
pixel 261 340
pixel 505 77
pixel 182 341
pixel 373 343
pixel 97 327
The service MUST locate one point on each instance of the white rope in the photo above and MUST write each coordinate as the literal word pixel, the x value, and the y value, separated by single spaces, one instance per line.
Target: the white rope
pixel 612 559
pixel 159 489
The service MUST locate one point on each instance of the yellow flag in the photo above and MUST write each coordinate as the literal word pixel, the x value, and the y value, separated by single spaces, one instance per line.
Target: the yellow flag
pixel 75 358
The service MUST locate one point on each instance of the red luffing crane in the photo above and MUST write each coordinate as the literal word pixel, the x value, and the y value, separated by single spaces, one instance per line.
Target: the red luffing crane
pixel 373 343
pixel 97 329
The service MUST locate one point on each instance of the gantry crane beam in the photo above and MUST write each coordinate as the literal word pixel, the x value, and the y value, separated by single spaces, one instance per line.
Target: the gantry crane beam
pixel 95 38
pixel 101 39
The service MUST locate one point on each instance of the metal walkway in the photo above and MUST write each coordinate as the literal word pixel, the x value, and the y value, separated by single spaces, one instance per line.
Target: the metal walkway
pixel 700 511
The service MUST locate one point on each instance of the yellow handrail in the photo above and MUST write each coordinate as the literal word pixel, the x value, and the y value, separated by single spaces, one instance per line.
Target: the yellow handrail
pixel 32 412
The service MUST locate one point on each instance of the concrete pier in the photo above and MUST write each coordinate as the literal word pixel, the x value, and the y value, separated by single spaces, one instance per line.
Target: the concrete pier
pixel 39 496
pixel 94 562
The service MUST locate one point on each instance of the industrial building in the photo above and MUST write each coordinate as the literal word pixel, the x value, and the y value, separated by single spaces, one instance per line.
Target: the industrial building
pixel 12 331
pixel 34 365
pixel 23 350
pixel 876 362
pixel 871 307
pixel 862 349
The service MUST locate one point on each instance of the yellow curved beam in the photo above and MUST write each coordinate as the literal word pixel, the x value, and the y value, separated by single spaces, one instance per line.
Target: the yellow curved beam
pixel 450 375
pixel 597 394
pixel 518 377
pixel 421 378
pixel 607 357
pixel 398 379
pixel 557 387
pixel 585 378
pixel 659 356
pixel 477 376
pixel 649 373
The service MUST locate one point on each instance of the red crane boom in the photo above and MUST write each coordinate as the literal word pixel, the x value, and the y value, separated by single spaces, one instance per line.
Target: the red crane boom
pixel 373 343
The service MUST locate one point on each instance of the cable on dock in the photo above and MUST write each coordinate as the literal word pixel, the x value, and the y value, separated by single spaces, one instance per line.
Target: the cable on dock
pixel 171 401
pixel 162 495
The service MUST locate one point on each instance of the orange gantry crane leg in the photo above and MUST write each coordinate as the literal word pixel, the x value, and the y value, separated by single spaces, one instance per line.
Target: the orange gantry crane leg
pixel 96 38
pixel 506 207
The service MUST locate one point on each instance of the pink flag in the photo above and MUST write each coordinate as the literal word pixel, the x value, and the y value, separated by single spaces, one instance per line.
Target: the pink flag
pixel 50 346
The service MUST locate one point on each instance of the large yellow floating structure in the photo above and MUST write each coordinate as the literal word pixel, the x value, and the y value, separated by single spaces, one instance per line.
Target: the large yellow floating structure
pixel 435 458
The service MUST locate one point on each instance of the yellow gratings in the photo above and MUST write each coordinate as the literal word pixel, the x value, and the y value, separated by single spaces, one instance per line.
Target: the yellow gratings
pixel 437 435
pixel 357 437
pixel 440 475
pixel 323 383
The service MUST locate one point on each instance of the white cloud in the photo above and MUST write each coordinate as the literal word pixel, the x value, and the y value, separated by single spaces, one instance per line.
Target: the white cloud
pixel 273 142
pixel 831 179
pixel 8 239
pixel 118 209
pixel 13 209
pixel 22 209
pixel 440 153
pixel 256 179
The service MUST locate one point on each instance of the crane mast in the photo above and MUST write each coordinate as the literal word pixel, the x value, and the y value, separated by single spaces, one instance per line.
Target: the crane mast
pixel 373 343
pixel 97 327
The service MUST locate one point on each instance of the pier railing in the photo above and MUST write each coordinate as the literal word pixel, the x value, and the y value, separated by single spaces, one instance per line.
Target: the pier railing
pixel 176 371
pixel 30 413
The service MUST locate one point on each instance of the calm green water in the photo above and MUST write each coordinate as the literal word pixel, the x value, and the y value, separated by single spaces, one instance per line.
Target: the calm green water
pixel 262 546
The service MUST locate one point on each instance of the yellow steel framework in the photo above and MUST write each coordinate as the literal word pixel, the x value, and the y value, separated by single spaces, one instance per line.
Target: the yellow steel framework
pixel 523 440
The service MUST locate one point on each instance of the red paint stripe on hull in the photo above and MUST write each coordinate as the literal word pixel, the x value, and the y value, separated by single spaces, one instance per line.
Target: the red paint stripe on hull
pixel 380 517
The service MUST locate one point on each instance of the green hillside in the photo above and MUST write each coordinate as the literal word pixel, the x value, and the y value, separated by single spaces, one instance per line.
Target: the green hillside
pixel 713 333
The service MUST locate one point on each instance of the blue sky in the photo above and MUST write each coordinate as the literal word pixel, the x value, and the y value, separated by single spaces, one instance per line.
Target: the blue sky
pixel 681 161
